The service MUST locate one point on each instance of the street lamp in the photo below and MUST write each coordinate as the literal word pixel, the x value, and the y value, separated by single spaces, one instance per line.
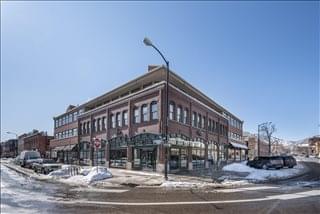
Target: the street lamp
pixel 13 134
pixel 148 42
pixel 262 124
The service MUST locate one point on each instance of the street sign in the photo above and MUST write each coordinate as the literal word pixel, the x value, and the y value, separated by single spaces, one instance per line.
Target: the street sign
pixel 97 142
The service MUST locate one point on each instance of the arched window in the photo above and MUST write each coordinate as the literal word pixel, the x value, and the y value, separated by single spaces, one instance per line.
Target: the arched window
pixel 185 116
pixel 209 125
pixel 94 125
pixel 171 110
pixel 144 112
pixel 104 123
pixel 113 121
pixel 179 114
pixel 136 115
pixel 118 118
pixel 203 122
pixel 154 110
pixel 99 125
pixel 80 128
pixel 125 118
pixel 194 119
pixel 199 121
pixel 88 127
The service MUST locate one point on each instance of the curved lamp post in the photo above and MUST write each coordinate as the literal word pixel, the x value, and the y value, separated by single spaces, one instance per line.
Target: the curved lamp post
pixel 148 42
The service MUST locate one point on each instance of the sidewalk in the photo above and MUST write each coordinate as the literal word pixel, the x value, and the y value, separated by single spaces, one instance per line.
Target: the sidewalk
pixel 131 178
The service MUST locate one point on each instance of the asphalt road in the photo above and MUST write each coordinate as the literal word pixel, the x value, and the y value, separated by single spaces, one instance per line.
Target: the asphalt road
pixel 296 195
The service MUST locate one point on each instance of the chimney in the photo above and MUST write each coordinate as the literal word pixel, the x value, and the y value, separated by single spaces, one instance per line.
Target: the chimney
pixel 150 67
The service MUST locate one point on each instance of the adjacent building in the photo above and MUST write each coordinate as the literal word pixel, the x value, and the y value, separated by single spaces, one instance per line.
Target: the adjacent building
pixel 129 123
pixel 36 140
pixel 9 148
pixel 251 140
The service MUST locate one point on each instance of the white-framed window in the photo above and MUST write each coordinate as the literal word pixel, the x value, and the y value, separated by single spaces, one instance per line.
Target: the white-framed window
pixel 154 110
pixel 125 118
pixel 179 114
pixel 144 112
pixel 118 118
pixel 185 116
pixel 113 121
pixel 171 110
pixel 136 115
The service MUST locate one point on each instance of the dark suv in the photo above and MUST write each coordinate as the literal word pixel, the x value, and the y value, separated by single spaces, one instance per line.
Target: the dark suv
pixel 262 162
pixel 289 161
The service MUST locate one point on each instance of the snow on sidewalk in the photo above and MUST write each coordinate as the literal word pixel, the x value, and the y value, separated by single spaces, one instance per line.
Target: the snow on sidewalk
pixel 261 174
pixel 86 176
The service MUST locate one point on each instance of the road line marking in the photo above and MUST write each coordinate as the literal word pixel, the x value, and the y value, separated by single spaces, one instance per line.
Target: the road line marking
pixel 99 190
pixel 245 189
pixel 274 197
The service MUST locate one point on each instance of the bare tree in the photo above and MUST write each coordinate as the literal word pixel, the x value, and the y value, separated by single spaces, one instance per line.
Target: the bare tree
pixel 268 130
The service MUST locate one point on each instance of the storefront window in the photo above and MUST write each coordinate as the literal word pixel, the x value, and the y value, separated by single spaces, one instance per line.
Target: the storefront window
pixel 178 158
pixel 118 158
pixel 198 155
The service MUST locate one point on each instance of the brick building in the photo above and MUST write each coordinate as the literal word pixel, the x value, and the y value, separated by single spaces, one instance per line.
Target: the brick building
pixel 38 141
pixel 9 148
pixel 251 141
pixel 21 143
pixel 130 122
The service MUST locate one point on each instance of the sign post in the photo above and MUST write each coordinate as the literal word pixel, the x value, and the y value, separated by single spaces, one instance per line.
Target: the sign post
pixel 97 144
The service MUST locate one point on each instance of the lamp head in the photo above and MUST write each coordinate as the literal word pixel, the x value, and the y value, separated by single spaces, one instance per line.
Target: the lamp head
pixel 147 41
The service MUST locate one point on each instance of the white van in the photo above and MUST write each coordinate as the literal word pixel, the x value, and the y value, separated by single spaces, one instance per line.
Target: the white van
pixel 29 157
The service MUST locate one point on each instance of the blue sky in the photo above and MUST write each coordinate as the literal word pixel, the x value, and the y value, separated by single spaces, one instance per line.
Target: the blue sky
pixel 260 60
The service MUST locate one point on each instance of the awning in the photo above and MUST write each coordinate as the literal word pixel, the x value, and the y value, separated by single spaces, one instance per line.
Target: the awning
pixel 64 148
pixel 238 145
pixel 69 147
pixel 58 148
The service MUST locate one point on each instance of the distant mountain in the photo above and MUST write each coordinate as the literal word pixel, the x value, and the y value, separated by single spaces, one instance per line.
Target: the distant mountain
pixel 297 142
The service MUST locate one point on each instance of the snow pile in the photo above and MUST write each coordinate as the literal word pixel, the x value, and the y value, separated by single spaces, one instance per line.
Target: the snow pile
pixel 89 175
pixel 180 184
pixel 64 172
pixel 97 174
pixel 85 171
pixel 261 174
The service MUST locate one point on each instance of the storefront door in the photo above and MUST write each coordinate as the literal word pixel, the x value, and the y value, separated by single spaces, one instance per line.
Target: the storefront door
pixel 145 158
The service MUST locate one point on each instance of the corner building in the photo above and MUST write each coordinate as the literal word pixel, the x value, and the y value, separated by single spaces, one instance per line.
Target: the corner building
pixel 130 122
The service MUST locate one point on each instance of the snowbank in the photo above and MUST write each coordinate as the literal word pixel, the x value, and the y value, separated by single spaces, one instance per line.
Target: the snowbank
pixel 86 176
pixel 97 174
pixel 64 172
pixel 261 174
pixel 180 184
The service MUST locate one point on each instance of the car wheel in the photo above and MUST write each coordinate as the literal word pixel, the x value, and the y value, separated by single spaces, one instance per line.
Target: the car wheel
pixel 35 170
pixel 264 166
pixel 291 167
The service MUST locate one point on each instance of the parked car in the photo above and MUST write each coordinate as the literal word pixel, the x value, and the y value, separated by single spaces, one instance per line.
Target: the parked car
pixel 29 157
pixel 289 161
pixel 262 162
pixel 17 160
pixel 45 166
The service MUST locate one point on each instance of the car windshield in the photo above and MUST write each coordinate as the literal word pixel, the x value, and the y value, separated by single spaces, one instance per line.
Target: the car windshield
pixel 33 155
pixel 48 161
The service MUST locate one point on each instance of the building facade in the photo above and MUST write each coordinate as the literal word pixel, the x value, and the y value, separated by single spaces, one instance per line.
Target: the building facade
pixel 38 141
pixel 9 148
pixel 21 143
pixel 130 120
